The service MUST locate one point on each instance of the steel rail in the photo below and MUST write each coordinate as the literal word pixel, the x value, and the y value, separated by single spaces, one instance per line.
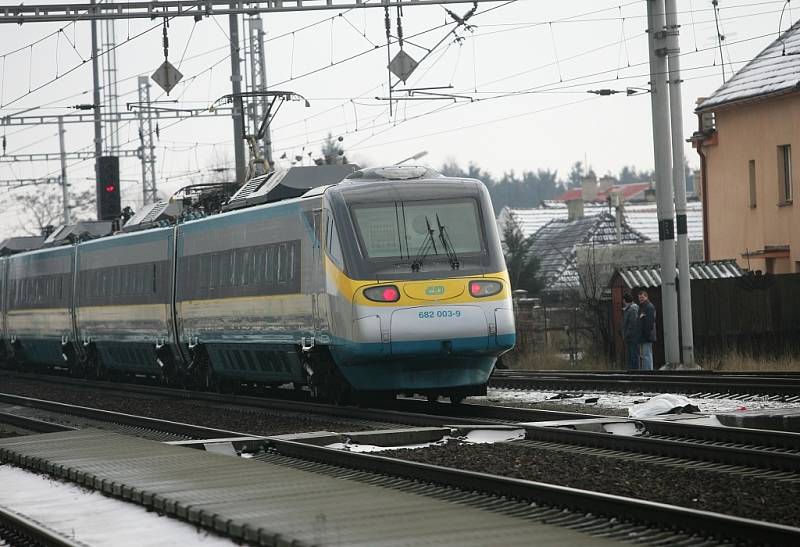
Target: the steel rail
pixel 788 386
pixel 34 532
pixel 692 443
pixel 32 424
pixel 656 514
pixel 176 428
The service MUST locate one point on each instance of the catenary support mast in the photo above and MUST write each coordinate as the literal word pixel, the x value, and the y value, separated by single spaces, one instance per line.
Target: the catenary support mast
pixel 659 98
pixel 679 181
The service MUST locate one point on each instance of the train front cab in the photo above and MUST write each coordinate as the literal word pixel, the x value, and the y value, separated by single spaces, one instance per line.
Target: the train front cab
pixel 423 282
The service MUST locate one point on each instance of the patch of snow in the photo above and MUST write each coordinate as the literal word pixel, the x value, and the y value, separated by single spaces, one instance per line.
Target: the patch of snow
pixel 91 518
pixel 499 396
pixel 474 436
pixel 629 429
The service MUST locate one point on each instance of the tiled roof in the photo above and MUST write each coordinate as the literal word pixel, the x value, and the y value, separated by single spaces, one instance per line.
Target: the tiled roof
pixel 774 71
pixel 629 191
pixel 641 217
pixel 650 276
pixel 554 246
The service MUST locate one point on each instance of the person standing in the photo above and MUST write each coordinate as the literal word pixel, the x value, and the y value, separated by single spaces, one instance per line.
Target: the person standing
pixel 631 331
pixel 647 332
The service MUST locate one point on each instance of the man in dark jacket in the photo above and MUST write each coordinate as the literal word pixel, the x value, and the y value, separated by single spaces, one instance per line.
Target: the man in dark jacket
pixel 647 324
pixel 630 331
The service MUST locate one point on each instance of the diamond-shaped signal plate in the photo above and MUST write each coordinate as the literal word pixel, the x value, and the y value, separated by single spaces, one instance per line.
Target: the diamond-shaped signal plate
pixel 166 76
pixel 402 65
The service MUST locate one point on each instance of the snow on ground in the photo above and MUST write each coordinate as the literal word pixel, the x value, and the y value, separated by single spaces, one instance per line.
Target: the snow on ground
pixel 92 518
pixel 623 401
pixel 475 436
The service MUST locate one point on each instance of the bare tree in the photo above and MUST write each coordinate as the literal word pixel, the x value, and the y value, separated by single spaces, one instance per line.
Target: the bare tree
pixel 41 207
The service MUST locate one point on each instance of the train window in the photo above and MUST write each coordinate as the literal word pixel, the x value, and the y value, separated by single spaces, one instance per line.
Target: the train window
pixel 334 246
pixel 214 271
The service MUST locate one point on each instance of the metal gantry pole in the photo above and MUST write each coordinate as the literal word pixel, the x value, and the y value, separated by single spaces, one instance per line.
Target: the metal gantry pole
pixel 659 98
pixel 672 30
pixel 258 82
pixel 236 88
pixel 98 127
pixel 110 93
pixel 147 150
pixel 64 189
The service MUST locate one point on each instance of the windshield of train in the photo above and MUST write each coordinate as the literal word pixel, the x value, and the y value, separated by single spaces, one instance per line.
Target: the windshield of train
pixel 406 229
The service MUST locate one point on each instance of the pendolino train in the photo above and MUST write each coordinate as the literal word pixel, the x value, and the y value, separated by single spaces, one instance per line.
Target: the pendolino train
pixel 389 281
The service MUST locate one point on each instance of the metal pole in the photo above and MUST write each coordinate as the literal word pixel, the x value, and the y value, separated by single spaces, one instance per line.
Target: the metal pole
pixel 679 181
pixel 236 88
pixel 147 149
pixel 258 81
pixel 98 128
pixel 663 163
pixel 64 191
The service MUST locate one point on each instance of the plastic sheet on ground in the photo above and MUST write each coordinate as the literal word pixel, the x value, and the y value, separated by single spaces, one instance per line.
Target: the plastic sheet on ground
pixel 666 403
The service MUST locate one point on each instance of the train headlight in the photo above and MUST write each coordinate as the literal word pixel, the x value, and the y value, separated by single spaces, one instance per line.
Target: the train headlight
pixel 382 293
pixel 479 289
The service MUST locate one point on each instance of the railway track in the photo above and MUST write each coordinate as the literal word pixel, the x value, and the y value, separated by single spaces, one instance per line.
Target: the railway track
pixel 775 386
pixel 16 529
pixel 772 453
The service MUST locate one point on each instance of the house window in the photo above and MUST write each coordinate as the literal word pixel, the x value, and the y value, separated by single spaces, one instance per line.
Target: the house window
pixel 785 173
pixel 752 174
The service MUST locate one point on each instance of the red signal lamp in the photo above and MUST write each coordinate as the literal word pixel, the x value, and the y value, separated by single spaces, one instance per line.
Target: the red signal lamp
pixel 110 188
pixel 382 293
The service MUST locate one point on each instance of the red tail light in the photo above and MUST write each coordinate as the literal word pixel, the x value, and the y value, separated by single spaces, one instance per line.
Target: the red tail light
pixel 383 293
pixel 480 289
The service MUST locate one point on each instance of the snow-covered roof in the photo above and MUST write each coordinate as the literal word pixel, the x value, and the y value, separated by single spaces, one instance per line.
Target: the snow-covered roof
pixel 641 217
pixel 554 246
pixel 774 71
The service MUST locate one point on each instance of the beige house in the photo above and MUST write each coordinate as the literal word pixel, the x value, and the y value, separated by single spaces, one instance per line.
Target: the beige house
pixel 749 146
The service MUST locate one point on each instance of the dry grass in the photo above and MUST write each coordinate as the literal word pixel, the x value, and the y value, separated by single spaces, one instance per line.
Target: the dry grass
pixel 737 362
pixel 550 360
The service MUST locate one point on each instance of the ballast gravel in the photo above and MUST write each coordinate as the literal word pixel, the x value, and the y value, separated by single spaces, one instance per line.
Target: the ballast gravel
pixel 220 416
pixel 716 491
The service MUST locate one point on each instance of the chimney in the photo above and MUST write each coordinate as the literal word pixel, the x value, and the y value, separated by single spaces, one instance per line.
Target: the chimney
pixel 606 183
pixel 574 209
pixel 589 187
pixel 616 201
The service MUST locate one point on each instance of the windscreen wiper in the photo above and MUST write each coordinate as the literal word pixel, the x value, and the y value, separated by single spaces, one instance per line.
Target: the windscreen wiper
pixel 425 248
pixel 444 237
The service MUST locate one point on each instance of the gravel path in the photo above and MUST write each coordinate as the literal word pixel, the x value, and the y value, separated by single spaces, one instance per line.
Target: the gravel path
pixel 760 499
pixel 252 421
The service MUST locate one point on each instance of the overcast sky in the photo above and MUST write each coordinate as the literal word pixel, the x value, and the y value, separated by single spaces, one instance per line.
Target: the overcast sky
pixel 527 66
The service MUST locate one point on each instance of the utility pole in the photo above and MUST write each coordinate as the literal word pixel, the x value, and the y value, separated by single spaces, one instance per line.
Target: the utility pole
pixel 64 190
pixel 98 128
pixel 258 82
pixel 147 148
pixel 659 100
pixel 236 89
pixel 110 93
pixel 679 181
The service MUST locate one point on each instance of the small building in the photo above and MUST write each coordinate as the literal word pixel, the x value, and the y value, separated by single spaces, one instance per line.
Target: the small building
pixel 749 132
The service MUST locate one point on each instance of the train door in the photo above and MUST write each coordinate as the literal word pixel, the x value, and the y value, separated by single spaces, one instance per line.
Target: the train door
pixel 317 288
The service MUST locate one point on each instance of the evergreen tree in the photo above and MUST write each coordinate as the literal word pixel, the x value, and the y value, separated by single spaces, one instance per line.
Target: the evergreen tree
pixel 522 264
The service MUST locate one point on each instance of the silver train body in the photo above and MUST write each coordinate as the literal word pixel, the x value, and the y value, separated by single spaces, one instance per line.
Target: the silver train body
pixel 390 281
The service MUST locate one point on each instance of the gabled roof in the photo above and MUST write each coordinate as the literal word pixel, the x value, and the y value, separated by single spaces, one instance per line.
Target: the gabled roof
pixel 774 71
pixel 629 191
pixel 554 246
pixel 642 217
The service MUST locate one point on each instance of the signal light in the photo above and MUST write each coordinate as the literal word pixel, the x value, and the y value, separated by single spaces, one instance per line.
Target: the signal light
pixel 383 293
pixel 481 289
pixel 107 189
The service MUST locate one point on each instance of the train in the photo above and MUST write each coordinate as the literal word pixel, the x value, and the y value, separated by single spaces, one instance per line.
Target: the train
pixel 389 281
